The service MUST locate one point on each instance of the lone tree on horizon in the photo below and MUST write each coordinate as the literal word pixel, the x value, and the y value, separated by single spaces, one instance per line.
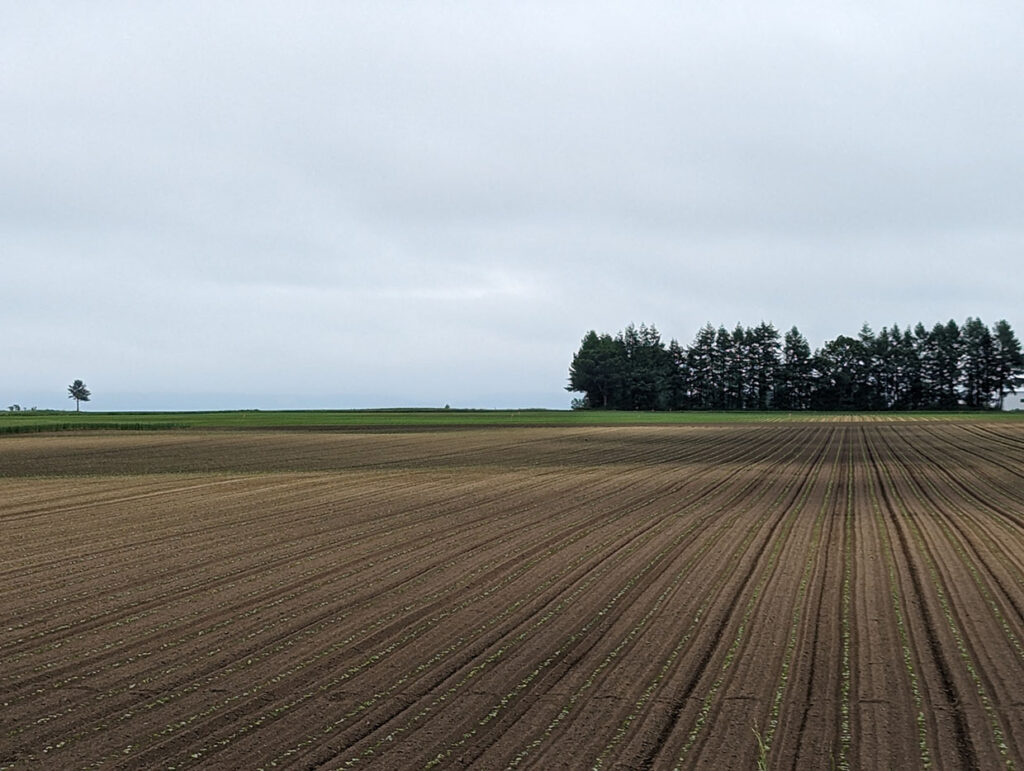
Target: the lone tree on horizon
pixel 79 393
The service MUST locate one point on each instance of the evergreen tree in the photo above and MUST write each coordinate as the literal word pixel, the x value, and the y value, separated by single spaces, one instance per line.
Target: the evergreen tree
pixel 910 387
pixel 763 353
pixel 648 369
pixel 734 367
pixel 977 364
pixel 1008 361
pixel 702 364
pixel 867 369
pixel 925 345
pixel 946 359
pixel 899 366
pixel 678 378
pixel 885 358
pixel 796 377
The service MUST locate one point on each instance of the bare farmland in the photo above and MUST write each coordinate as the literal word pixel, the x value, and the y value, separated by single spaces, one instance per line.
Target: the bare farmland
pixel 813 594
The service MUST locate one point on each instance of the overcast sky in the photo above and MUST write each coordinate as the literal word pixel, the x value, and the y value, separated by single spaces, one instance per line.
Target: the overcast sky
pixel 353 204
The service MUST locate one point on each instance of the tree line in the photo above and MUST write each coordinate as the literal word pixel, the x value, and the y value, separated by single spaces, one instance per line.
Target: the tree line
pixel 947 367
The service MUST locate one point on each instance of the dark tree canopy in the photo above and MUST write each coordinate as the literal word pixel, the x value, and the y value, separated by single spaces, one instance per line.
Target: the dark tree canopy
pixel 79 393
pixel 597 370
pixel 949 367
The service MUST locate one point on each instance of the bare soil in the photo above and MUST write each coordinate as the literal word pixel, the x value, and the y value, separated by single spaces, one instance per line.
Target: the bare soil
pixel 811 595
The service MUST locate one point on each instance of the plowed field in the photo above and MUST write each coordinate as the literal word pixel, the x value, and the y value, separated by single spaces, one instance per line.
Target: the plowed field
pixel 813 595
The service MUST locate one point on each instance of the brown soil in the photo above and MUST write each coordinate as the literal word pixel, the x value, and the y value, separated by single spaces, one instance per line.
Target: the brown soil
pixel 834 594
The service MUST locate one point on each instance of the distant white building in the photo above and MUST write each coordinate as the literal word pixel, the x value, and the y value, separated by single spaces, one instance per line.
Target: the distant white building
pixel 1014 402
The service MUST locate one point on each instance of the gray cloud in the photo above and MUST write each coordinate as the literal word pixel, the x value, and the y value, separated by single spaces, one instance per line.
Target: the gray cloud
pixel 350 204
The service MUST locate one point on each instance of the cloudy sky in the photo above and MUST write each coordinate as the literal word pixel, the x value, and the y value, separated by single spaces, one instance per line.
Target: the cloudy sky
pixel 352 204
